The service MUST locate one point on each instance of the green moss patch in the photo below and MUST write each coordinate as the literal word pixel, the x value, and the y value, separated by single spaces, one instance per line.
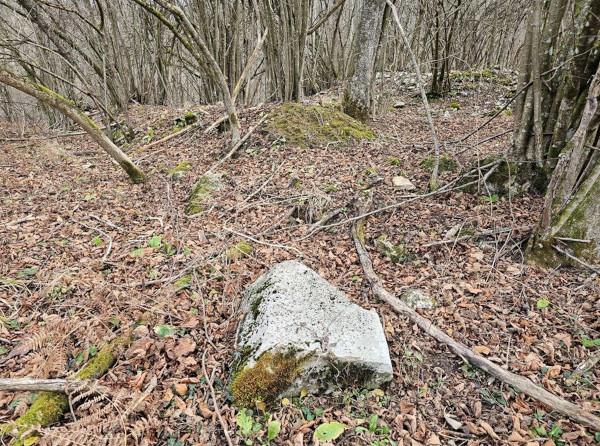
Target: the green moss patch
pixel 271 376
pixel 314 126
pixel 205 186
pixel 179 170
pixel 238 251
pixel 447 164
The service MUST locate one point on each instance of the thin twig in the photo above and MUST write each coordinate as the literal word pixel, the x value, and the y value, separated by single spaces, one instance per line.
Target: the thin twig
pixel 576 259
pixel 274 245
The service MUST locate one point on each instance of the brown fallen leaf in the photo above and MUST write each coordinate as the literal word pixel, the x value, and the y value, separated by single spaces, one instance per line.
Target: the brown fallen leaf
pixel 482 350
pixel 488 429
pixel 184 347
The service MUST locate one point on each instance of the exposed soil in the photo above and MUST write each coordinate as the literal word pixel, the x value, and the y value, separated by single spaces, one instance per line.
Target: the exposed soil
pixel 85 254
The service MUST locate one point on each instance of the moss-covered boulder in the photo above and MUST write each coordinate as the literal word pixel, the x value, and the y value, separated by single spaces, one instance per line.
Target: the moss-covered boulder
pixel 238 251
pixel 314 125
pixel 206 185
pixel 179 170
pixel 302 333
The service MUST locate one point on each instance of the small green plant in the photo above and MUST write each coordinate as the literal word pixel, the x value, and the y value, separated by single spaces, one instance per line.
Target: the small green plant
pixel 394 161
pixel 155 242
pixel 491 199
pixel 589 343
pixel 542 303
pixel 494 397
pixel 329 431
pixel 455 105
pixel 27 272
pixel 249 427
pixel 96 241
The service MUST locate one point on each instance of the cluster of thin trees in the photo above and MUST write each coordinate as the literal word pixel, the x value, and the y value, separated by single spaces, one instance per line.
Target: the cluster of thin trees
pixel 107 54
pixel 104 55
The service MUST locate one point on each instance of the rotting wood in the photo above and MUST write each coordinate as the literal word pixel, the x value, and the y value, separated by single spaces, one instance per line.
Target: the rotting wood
pixel 520 383
pixel 36 385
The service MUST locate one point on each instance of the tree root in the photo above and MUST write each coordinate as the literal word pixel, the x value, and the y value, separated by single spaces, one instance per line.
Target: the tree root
pixel 49 407
pixel 520 383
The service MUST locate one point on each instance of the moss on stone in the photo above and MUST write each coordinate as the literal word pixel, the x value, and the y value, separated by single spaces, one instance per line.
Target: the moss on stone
pixel 266 380
pixel 205 186
pixel 447 164
pixel 179 170
pixel 238 251
pixel 396 253
pixel 314 126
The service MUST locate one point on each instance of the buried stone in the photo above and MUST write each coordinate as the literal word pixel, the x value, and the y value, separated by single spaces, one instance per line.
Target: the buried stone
pixel 302 333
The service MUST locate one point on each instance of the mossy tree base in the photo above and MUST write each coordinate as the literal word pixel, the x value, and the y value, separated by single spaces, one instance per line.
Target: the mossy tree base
pixel 574 230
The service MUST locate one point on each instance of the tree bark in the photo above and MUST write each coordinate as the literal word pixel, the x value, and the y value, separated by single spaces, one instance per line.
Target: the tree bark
pixel 557 130
pixel 358 96
pixel 68 109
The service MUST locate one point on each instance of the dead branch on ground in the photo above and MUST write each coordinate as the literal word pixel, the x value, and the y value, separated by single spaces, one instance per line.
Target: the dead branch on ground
pixel 520 383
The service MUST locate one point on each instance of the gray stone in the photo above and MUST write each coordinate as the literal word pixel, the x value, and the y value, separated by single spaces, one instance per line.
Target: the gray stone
pixel 418 299
pixel 291 310
pixel 399 105
pixel 402 183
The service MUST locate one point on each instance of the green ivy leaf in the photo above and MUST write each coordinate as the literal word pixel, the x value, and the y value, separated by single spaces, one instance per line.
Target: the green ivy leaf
pixel 155 242
pixel 542 303
pixel 590 342
pixel 244 422
pixel 138 252
pixel 273 429
pixel 329 431
pixel 25 272
pixel 165 330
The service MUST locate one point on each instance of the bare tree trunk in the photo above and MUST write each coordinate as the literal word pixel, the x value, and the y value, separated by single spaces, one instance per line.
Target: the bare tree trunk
pixel 358 97
pixel 571 213
pixel 68 109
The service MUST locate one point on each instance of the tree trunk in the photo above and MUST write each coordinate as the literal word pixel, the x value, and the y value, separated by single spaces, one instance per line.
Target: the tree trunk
pixel 569 229
pixel 559 64
pixel 358 96
pixel 564 68
pixel 68 109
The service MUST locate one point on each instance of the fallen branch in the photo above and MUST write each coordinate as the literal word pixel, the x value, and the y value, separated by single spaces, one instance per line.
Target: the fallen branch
pixel 585 366
pixel 50 406
pixel 168 137
pixel 520 383
pixel 36 385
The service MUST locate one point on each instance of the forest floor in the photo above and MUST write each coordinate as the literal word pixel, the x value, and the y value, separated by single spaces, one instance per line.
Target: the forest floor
pixel 85 254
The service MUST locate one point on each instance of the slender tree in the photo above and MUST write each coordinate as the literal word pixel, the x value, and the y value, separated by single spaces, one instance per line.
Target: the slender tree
pixel 69 109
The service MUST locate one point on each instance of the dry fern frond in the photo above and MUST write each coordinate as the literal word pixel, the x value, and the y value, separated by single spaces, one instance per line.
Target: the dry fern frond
pixel 69 436
pixel 32 343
